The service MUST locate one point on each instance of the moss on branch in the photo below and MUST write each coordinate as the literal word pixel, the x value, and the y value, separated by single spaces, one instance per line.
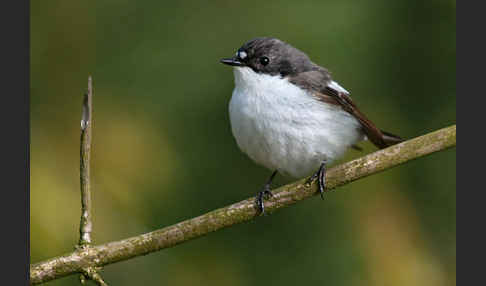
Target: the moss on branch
pixel 112 252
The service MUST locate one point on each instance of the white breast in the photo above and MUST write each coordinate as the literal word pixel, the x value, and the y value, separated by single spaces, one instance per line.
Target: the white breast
pixel 282 127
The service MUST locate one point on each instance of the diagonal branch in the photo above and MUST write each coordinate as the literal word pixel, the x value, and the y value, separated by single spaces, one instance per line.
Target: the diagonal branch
pixel 240 212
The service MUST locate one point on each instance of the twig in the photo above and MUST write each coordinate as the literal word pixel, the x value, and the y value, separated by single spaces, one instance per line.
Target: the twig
pixel 92 274
pixel 86 225
pixel 240 212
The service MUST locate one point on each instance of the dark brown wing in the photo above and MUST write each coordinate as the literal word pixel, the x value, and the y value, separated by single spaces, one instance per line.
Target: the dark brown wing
pixel 319 83
pixel 374 134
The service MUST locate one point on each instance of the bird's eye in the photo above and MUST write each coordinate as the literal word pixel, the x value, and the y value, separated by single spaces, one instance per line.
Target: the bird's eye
pixel 264 61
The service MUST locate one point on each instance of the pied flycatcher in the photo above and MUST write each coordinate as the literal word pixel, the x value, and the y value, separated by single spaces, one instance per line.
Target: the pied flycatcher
pixel 288 115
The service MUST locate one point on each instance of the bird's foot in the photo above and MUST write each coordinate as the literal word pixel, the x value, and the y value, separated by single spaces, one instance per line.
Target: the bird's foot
pixel 264 194
pixel 321 179
pixel 261 196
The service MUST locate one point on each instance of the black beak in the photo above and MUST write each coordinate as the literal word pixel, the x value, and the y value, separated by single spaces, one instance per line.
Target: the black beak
pixel 232 62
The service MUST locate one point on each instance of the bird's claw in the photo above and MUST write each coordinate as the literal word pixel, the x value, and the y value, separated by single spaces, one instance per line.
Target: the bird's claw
pixel 320 175
pixel 266 193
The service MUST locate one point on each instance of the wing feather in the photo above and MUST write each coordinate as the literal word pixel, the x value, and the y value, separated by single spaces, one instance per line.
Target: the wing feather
pixel 319 83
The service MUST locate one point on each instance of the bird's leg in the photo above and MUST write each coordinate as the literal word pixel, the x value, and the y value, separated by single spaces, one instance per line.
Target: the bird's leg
pixel 321 179
pixel 264 193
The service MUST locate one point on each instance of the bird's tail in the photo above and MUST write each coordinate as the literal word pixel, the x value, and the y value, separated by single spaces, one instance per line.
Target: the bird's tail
pixel 391 139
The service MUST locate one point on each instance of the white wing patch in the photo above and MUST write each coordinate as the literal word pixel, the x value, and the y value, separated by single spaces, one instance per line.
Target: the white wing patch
pixel 241 54
pixel 334 85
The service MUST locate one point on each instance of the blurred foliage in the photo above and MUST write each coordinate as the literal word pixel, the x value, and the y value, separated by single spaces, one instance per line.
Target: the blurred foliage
pixel 163 149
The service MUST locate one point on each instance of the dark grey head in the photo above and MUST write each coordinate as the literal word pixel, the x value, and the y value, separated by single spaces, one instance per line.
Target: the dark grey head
pixel 271 56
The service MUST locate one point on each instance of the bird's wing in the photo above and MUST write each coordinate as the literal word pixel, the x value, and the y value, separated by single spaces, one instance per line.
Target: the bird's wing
pixel 319 83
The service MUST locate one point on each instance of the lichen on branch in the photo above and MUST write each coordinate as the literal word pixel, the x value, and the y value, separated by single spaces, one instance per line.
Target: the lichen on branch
pixel 242 211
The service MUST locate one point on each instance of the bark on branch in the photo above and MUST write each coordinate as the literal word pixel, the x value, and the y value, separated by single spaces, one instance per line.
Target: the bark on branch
pixel 112 252
pixel 86 224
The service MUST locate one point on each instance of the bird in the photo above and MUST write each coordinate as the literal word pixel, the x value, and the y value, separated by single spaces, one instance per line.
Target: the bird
pixel 288 114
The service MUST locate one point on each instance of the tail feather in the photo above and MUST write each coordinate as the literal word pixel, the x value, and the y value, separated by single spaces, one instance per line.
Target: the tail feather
pixel 391 139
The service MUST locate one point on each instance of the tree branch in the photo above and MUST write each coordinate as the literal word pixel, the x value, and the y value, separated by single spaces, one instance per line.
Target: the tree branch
pixel 240 212
pixel 85 224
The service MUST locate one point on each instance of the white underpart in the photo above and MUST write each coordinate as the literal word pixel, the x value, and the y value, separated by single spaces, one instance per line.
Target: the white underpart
pixel 284 128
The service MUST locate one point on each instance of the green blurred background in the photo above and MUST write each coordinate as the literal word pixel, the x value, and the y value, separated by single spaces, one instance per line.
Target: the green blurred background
pixel 163 149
